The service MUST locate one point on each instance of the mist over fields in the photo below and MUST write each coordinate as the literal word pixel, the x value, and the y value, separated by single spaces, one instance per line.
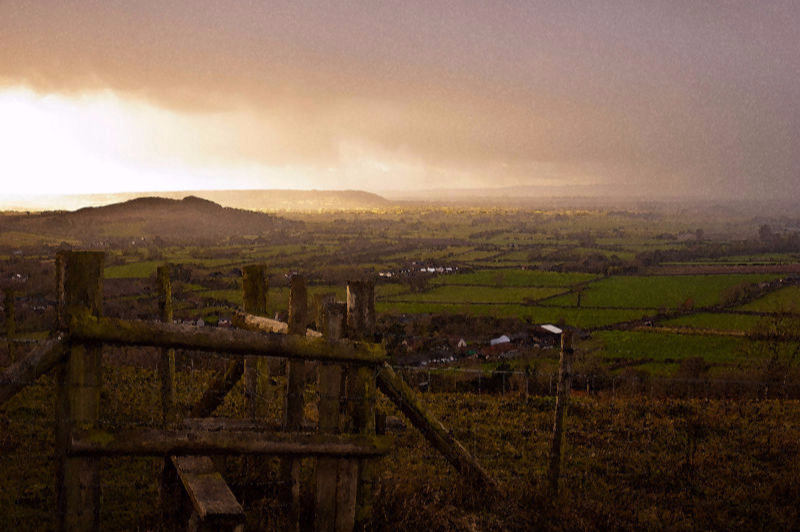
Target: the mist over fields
pixel 522 197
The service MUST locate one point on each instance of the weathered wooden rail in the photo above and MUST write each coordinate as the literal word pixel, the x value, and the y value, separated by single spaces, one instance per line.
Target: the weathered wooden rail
pixel 350 370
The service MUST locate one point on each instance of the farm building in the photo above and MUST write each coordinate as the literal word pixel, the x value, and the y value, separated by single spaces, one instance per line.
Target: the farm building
pixel 500 340
pixel 547 335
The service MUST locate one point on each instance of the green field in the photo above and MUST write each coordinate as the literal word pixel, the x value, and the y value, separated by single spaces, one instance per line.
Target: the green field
pixel 515 277
pixel 587 318
pixel 659 347
pixel 15 239
pixel 478 294
pixel 786 299
pixel 475 255
pixel 233 296
pixel 660 291
pixel 721 322
pixel 133 270
pixel 384 290
pixel 515 256
pixel 763 258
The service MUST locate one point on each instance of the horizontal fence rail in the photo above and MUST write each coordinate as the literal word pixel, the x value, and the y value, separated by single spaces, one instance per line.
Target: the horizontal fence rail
pixel 342 438
pixel 179 336
pixel 202 442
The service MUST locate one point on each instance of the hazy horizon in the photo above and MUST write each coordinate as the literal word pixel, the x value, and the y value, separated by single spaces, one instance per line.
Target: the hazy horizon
pixel 663 99
pixel 312 200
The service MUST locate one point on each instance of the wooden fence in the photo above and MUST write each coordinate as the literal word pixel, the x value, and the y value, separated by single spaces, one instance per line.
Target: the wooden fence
pixel 350 371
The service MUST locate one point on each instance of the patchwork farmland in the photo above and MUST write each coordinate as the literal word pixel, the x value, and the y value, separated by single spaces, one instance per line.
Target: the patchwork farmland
pixel 685 362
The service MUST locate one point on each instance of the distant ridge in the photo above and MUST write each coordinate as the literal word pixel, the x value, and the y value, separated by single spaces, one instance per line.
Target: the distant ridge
pixel 284 201
pixel 297 200
pixel 253 200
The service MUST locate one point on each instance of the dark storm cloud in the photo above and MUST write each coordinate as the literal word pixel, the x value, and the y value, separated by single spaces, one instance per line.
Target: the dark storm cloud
pixel 670 95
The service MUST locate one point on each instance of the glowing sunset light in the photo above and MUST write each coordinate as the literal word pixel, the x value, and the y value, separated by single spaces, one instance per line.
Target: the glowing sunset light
pixel 102 143
pixel 646 98
pixel 57 145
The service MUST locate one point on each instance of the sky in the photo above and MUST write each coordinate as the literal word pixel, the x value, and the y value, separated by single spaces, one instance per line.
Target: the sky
pixel 663 97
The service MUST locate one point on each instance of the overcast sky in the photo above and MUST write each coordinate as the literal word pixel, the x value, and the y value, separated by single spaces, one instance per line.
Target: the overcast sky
pixel 663 96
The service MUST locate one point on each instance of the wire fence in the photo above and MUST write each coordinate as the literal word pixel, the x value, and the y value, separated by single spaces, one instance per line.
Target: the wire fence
pixel 535 383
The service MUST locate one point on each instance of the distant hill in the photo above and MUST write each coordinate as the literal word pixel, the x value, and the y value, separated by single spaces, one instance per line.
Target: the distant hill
pixel 253 200
pixel 188 220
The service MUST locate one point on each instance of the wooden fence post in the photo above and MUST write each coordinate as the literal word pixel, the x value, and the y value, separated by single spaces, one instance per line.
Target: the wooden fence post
pixel 562 400
pixel 321 311
pixel 294 405
pixel 257 394
pixel 169 485
pixel 166 367
pixel 362 386
pixel 330 319
pixel 360 325
pixel 80 284
pixel 295 371
pixel 256 369
pixel 361 308
pixel 11 322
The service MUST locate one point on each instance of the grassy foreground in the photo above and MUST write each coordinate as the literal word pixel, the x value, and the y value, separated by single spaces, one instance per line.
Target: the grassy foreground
pixel 630 463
